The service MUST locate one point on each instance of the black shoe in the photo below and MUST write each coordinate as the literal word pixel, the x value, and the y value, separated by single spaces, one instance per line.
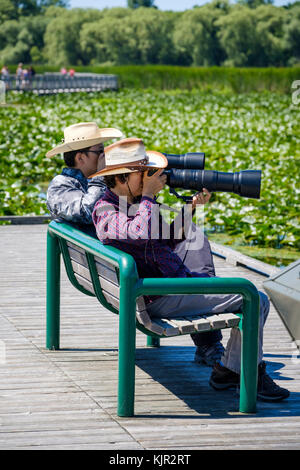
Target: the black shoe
pixel 267 389
pixel 222 378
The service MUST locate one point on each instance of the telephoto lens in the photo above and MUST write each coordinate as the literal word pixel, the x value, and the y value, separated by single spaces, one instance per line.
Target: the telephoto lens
pixel 244 183
pixel 192 161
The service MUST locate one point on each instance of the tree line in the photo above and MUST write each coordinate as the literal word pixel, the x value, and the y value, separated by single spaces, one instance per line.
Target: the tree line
pixel 245 34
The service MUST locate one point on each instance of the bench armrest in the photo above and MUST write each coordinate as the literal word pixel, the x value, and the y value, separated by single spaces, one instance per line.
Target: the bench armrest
pixel 123 261
pixel 198 285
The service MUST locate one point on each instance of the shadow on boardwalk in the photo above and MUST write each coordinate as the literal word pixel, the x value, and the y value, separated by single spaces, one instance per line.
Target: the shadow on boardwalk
pixel 173 368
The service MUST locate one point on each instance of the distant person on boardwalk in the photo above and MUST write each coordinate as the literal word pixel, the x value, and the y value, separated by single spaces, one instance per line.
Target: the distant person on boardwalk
pixel 31 71
pixel 71 72
pixel 31 74
pixel 25 79
pixel 63 71
pixel 126 217
pixel 5 76
pixel 19 76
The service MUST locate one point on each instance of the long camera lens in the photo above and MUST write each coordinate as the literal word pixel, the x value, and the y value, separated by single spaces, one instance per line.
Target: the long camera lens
pixel 245 183
pixel 195 161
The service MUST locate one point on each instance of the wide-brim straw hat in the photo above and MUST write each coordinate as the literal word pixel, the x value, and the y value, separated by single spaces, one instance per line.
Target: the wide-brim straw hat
pixel 82 135
pixel 128 156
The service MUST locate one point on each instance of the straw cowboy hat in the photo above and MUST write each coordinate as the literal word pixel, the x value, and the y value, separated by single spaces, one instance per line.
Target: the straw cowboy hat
pixel 82 135
pixel 128 156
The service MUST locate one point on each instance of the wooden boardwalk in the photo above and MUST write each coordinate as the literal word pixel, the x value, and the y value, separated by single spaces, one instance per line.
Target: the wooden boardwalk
pixel 55 83
pixel 67 399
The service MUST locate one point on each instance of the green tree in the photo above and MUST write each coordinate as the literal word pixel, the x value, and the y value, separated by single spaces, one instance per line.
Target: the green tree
pixel 62 36
pixel 253 37
pixel 149 39
pixel 237 36
pixel 7 11
pixel 292 35
pixel 36 55
pixel 14 9
pixel 18 37
pixel 139 36
pixel 195 35
pixel 270 22
pixel 140 3
pixel 96 42
pixel 255 3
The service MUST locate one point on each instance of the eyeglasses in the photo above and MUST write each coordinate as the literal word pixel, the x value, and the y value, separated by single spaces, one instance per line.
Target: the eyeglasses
pixel 97 152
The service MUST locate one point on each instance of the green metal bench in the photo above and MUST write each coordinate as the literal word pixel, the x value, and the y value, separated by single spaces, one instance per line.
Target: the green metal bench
pixel 111 276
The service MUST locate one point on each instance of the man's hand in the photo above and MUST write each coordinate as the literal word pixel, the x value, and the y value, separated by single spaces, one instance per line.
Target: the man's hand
pixel 201 198
pixel 154 183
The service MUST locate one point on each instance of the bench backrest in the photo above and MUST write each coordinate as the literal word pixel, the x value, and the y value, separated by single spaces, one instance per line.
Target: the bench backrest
pixel 96 276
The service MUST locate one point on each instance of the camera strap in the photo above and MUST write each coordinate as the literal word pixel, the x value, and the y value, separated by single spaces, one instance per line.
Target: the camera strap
pixel 184 198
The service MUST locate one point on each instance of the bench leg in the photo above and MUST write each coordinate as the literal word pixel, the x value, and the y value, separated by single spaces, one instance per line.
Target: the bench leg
pixel 127 335
pixel 53 292
pixel 153 342
pixel 249 354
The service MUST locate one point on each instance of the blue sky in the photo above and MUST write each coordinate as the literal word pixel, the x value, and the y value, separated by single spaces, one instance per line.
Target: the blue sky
pixel 176 5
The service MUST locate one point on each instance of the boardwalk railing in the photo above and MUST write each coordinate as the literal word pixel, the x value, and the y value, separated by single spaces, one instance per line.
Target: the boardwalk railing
pixel 52 83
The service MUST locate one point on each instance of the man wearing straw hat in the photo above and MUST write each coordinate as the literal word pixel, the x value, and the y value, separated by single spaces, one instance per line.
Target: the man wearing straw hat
pixel 72 195
pixel 119 224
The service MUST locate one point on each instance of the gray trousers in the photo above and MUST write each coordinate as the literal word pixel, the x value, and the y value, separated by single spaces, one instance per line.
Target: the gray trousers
pixel 179 305
pixel 199 261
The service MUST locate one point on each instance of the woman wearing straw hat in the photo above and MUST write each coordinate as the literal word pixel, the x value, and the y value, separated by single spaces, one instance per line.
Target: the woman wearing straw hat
pixel 72 195
pixel 124 173
pixel 118 223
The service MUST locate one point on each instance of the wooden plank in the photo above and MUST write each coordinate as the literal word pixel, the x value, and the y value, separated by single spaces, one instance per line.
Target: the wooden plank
pixel 201 323
pixel 216 321
pixel 183 325
pixel 156 327
pixel 169 329
pixel 84 283
pixel 83 276
pixel 143 318
pixel 81 270
pixel 109 287
pixel 107 273
pixel 104 268
pixel 106 263
pixel 231 320
pixel 140 304
pixel 78 255
pixel 114 301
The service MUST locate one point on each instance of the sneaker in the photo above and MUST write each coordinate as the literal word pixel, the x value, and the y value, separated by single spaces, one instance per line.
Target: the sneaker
pixel 222 378
pixel 209 355
pixel 267 389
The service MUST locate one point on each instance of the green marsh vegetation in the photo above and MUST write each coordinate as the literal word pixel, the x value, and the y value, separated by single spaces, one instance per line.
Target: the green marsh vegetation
pixel 254 130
